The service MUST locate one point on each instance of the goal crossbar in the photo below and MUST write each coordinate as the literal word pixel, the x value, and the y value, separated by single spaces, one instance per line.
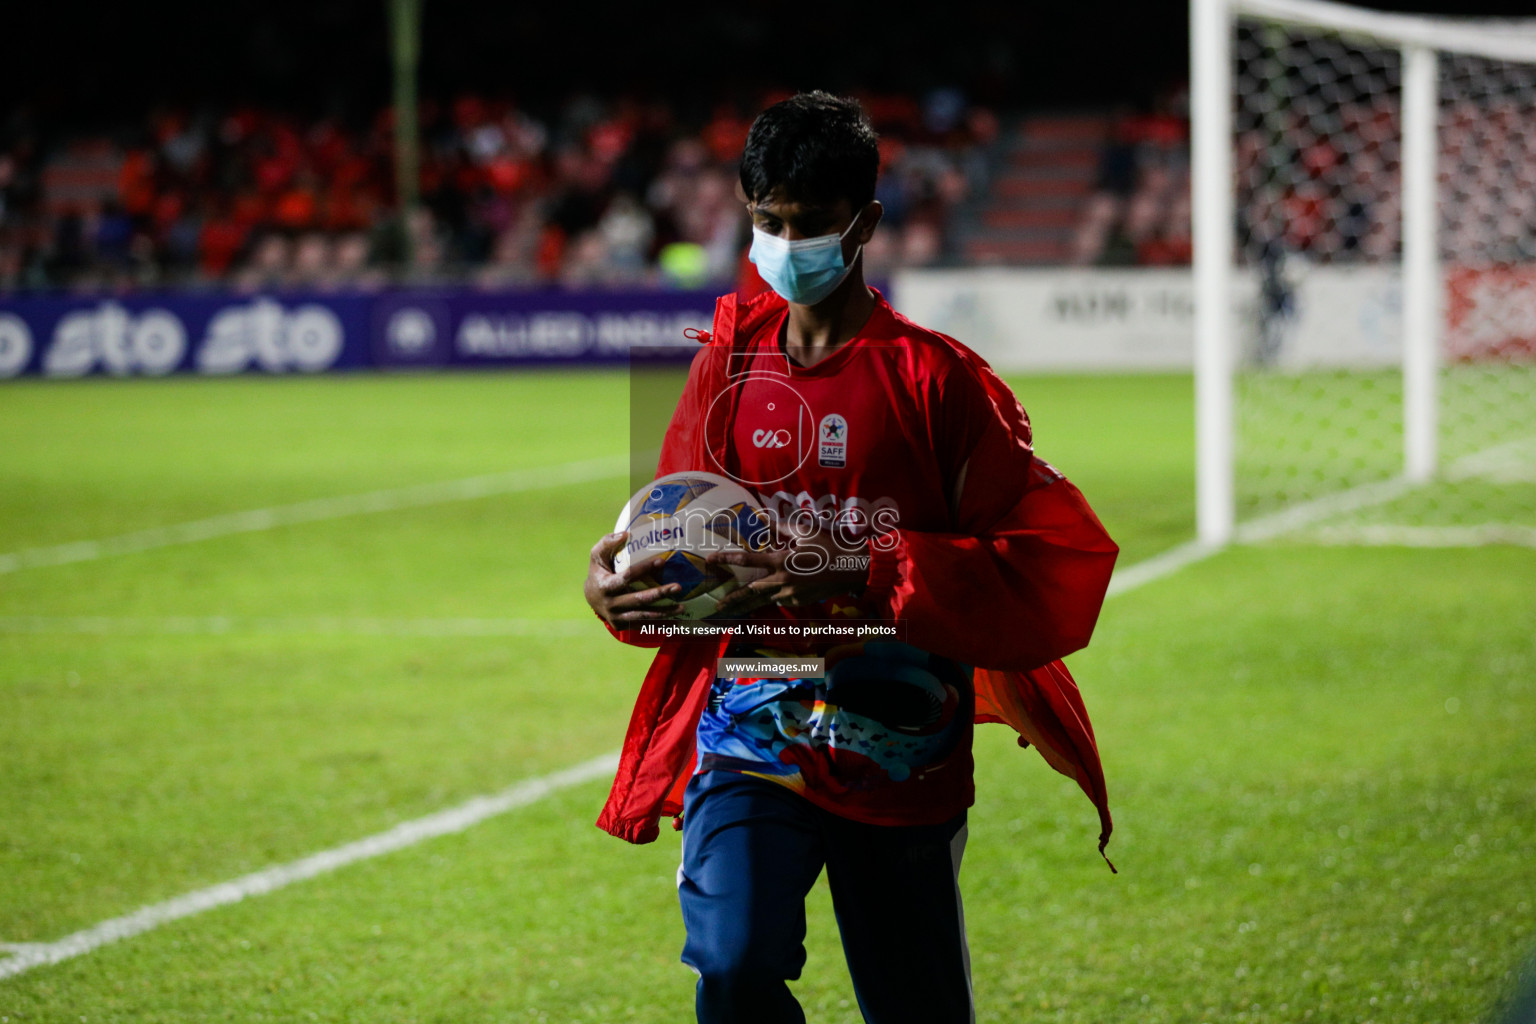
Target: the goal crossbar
pixel 1497 40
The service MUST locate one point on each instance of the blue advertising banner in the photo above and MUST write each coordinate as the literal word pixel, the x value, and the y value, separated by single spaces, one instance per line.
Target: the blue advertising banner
pixel 222 333
pixel 470 328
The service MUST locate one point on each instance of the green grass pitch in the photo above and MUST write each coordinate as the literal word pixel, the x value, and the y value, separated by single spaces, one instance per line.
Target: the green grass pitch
pixel 1320 759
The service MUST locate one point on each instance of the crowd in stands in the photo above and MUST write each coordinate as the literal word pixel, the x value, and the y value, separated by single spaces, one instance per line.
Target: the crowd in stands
pixel 621 192
pixel 607 192
pixel 1322 184
pixel 1325 187
pixel 1139 211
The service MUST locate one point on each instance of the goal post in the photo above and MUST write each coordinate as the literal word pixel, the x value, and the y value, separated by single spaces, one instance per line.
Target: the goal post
pixel 1357 175
pixel 1210 112
pixel 1421 264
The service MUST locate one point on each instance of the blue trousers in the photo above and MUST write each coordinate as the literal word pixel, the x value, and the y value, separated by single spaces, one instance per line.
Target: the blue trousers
pixel 751 852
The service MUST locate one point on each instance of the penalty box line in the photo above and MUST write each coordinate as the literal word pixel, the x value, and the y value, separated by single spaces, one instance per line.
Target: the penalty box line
pixel 258 520
pixel 26 956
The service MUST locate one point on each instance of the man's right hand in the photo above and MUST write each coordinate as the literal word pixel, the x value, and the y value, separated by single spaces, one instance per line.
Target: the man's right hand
pixel 608 592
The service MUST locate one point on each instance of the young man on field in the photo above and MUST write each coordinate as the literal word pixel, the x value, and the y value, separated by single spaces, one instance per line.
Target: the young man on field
pixel 906 468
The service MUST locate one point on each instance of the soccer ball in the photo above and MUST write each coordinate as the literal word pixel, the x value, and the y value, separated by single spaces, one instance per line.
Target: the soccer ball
pixel 690 515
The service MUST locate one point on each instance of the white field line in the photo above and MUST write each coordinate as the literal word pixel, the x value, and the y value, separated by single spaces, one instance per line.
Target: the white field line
pixel 221 625
pixel 1505 463
pixel 26 956
pixel 257 520
pixel 1388 535
pixel 1298 518
pixel 1264 528
pixel 1511 463
pixel 1158 566
pixel 1289 520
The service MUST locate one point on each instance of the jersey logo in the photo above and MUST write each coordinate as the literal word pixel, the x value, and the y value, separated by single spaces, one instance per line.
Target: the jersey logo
pixel 832 441
pixel 771 438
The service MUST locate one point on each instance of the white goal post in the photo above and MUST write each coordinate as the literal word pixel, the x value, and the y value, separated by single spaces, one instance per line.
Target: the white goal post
pixel 1395 62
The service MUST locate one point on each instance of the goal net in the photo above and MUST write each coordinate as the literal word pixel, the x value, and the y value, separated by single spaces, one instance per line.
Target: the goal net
pixel 1379 354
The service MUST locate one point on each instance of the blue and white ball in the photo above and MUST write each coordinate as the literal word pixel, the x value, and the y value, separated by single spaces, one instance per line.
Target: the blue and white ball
pixel 690 515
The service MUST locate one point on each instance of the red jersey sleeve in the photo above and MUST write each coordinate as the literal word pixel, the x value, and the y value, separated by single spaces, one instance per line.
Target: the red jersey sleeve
pixel 1019 580
pixel 967 429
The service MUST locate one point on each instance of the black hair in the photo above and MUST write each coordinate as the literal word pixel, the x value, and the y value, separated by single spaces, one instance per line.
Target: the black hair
pixel 813 147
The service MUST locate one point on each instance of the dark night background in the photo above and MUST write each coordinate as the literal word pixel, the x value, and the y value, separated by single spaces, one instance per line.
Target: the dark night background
pixel 95 64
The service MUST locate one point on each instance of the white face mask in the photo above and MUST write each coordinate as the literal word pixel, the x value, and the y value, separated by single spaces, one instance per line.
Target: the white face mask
pixel 804 271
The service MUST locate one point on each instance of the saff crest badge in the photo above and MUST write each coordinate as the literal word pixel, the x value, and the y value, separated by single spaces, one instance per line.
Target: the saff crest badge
pixel 832 442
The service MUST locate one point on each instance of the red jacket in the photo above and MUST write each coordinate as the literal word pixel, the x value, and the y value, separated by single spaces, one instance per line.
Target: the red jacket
pixel 1012 596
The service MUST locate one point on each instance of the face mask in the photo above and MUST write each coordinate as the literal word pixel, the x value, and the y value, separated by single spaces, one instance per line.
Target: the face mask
pixel 804 271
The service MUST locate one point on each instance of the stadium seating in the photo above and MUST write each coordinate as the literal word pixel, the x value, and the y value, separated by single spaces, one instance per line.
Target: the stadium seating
pixel 593 193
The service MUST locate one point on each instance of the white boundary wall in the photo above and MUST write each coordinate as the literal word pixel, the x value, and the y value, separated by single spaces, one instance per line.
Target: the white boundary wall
pixel 1057 319
pixel 1066 320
